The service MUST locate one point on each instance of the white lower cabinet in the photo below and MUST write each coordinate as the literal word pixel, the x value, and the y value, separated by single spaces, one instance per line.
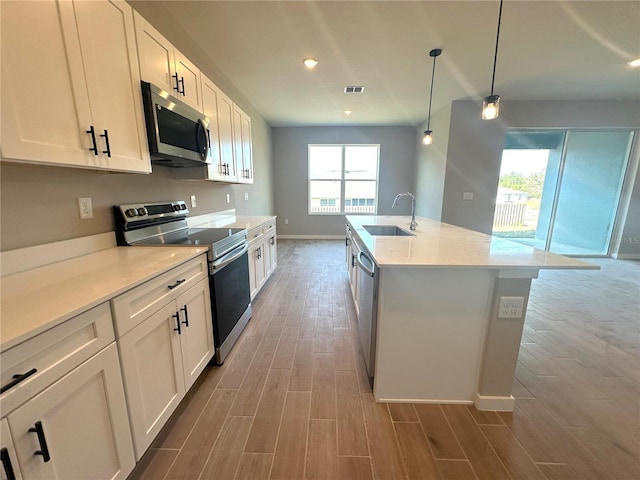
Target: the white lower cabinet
pixel 161 358
pixel 77 428
pixel 10 467
pixel 263 256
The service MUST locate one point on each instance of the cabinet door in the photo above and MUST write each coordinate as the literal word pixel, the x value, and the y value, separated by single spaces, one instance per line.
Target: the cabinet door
pixel 225 130
pixel 155 54
pixel 153 375
pixel 107 39
pixel 272 247
pixel 256 267
pixel 196 337
pixel 44 94
pixel 189 80
pixel 246 174
pixel 242 145
pixel 10 468
pixel 83 420
pixel 210 95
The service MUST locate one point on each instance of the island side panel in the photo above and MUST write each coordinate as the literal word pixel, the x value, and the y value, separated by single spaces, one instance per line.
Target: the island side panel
pixel 431 330
pixel 504 336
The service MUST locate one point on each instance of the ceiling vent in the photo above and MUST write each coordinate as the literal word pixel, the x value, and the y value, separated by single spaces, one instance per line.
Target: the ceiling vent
pixel 353 89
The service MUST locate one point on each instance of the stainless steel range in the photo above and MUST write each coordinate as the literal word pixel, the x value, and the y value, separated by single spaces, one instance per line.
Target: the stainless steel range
pixel 165 223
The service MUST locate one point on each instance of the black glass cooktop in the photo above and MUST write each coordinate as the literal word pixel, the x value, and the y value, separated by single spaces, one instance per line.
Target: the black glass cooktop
pixel 191 237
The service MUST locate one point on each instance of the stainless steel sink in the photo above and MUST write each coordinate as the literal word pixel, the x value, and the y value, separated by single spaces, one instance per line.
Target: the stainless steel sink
pixel 387 230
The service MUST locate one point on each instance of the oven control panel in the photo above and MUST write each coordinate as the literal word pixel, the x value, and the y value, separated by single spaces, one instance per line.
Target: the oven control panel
pixel 153 210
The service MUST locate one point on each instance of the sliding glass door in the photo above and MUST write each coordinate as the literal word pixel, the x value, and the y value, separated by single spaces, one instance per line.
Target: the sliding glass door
pixel 559 190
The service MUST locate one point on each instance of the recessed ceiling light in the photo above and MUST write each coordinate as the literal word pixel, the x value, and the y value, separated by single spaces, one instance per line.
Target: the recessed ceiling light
pixel 634 63
pixel 310 62
pixel 348 112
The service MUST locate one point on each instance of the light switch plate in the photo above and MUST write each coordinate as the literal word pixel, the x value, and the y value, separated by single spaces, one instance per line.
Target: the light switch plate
pixel 193 201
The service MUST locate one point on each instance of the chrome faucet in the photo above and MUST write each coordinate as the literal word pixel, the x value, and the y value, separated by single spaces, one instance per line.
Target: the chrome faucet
pixel 413 224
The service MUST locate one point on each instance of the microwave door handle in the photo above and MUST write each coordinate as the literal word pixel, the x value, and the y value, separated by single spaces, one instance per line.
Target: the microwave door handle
pixel 204 147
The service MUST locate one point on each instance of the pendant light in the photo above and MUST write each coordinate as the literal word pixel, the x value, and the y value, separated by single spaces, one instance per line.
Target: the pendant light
pixel 491 104
pixel 428 139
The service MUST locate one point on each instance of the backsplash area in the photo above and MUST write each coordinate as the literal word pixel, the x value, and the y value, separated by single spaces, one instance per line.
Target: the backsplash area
pixel 38 204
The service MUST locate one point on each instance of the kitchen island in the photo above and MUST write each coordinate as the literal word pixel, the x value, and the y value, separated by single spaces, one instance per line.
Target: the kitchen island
pixel 451 304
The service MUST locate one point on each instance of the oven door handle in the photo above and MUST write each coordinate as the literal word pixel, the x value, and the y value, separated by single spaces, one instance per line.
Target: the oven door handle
pixel 224 261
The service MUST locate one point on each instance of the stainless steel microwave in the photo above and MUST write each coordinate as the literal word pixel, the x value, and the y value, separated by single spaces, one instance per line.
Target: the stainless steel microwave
pixel 178 134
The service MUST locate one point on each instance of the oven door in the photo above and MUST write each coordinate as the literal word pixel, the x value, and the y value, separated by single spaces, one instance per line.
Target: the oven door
pixel 230 294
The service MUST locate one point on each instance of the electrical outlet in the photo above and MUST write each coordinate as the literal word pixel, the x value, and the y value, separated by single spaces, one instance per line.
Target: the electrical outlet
pixel 193 201
pixel 511 307
pixel 84 207
pixel 467 196
pixel 228 198
pixel 286 221
pixel 246 196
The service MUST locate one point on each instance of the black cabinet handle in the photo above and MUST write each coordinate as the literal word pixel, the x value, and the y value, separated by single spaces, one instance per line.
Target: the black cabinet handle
pixel 171 287
pixel 186 316
pixel 177 329
pixel 105 135
pixel 6 464
pixel 17 379
pixel 92 132
pixel 44 450
pixel 273 240
pixel 182 82
pixel 353 260
pixel 177 87
pixel 346 241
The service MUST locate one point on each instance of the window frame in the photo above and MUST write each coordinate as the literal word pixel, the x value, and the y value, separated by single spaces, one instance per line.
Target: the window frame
pixel 342 180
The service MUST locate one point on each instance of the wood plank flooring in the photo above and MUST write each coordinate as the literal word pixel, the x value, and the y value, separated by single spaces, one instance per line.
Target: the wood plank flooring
pixel 293 401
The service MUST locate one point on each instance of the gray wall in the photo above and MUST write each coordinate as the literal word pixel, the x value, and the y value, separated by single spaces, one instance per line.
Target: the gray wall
pixel 475 146
pixel 431 165
pixel 290 145
pixel 38 203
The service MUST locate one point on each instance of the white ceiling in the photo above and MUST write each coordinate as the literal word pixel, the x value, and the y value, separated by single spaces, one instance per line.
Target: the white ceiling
pixel 548 50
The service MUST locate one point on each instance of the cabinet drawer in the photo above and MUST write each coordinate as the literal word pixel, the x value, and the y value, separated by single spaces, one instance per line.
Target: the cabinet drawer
pixel 132 307
pixel 257 232
pixel 53 354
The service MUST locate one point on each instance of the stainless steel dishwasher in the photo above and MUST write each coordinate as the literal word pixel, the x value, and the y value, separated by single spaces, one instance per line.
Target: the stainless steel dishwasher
pixel 368 308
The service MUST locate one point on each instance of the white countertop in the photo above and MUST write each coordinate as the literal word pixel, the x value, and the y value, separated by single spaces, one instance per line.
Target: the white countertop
pixel 38 299
pixel 437 244
pixel 231 221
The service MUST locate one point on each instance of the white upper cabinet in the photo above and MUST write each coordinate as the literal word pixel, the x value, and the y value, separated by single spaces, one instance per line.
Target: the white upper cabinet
pixel 221 152
pixel 71 86
pixel 242 145
pixel 165 67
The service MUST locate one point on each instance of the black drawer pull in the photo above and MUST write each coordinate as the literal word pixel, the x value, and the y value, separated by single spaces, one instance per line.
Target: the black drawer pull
pixel 17 379
pixel 177 329
pixel 6 464
pixel 44 450
pixel 182 82
pixel 171 287
pixel 186 316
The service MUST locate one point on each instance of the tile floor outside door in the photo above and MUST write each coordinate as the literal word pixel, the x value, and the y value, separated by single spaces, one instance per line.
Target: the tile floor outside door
pixel 293 401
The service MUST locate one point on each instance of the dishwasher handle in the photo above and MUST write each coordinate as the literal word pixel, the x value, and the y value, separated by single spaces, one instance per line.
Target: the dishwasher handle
pixel 367 270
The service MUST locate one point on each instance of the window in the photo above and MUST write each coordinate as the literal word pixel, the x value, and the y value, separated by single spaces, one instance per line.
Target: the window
pixel 343 179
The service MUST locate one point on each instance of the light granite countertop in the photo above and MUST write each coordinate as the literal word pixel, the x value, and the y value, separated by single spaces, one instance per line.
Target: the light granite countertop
pixel 38 299
pixel 437 244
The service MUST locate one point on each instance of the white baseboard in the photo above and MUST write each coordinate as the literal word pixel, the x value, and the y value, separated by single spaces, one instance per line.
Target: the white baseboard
pixel 310 237
pixel 422 400
pixel 496 404
pixel 626 256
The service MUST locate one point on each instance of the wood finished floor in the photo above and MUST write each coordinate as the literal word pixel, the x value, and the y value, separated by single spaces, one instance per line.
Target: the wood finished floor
pixel 293 401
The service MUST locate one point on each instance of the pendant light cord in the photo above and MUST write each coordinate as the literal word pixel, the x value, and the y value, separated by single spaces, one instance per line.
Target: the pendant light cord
pixel 433 72
pixel 495 56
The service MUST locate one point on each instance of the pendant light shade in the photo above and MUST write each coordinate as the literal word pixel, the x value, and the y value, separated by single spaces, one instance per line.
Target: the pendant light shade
pixel 428 139
pixel 491 104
